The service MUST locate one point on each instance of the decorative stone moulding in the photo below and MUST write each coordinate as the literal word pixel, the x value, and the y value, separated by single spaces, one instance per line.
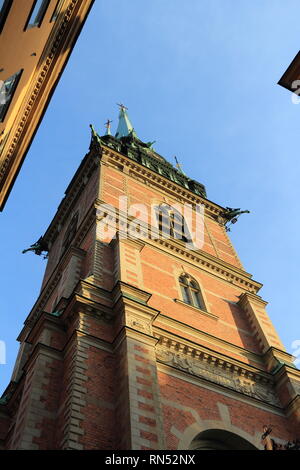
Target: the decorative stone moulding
pixel 217 370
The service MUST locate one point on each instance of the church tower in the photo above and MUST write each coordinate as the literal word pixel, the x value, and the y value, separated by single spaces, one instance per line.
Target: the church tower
pixel 148 333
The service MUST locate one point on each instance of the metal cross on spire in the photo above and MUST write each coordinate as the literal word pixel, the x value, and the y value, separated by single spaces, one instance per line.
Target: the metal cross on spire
pixel 178 166
pixel 107 125
pixel 125 127
pixel 122 106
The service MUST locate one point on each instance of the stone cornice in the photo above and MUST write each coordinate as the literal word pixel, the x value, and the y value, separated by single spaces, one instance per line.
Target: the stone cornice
pixel 213 265
pixel 125 304
pixel 49 351
pixel 180 193
pixel 196 309
pixel 217 368
pixel 137 244
pixel 79 181
pixel 255 298
pixel 235 394
pixel 133 333
pixel 293 406
pixel 94 290
pixel 109 303
pixel 282 356
pixel 45 320
pixel 89 307
pixel 201 258
pixel 165 322
pixel 188 347
pixel 139 152
pixel 288 371
pixel 123 289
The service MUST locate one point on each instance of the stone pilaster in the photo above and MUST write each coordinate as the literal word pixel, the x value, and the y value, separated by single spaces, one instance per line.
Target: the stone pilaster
pixel 139 412
pixel 74 397
pixel 254 307
pixel 127 261
pixel 71 273
pixel 288 388
pixel 22 357
pixel 36 417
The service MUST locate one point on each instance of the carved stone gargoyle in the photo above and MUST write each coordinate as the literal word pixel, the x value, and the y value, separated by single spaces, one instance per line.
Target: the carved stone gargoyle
pixel 231 216
pixel 231 213
pixel 38 247
pixel 150 144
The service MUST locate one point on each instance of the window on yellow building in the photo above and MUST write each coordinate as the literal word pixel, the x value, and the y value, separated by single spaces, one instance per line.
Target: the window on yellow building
pixel 4 10
pixel 7 89
pixel 191 292
pixel 37 13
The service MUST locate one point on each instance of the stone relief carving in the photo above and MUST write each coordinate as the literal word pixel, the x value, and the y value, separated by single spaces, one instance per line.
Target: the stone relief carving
pixel 139 325
pixel 218 375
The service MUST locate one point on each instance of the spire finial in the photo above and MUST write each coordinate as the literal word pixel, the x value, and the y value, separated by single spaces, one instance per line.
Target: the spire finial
pixel 107 125
pixel 178 166
pixel 125 127
pixel 122 107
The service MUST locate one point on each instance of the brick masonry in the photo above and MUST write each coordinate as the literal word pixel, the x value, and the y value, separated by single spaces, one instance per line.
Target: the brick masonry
pixel 91 376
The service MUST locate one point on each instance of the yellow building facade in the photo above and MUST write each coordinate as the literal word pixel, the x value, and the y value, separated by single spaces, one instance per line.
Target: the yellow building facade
pixel 36 40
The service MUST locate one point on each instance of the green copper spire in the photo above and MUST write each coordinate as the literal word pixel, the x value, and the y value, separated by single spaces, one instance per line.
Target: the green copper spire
pixel 125 127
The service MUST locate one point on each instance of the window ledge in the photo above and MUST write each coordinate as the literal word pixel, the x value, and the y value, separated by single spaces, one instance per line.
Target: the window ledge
pixel 199 310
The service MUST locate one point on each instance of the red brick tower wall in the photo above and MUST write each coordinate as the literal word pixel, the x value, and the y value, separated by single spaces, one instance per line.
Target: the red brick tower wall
pixel 111 356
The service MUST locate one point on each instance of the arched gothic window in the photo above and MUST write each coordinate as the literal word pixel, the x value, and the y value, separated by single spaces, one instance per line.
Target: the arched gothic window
pixel 171 223
pixel 191 292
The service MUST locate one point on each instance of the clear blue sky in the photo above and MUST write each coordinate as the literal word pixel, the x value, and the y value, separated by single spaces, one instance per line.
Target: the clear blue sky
pixel 199 77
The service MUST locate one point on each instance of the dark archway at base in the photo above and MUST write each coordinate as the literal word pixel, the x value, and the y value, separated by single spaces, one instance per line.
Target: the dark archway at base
pixel 218 439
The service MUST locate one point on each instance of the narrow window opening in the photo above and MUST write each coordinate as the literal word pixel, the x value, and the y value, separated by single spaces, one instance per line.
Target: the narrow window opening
pixel 7 90
pixel 37 13
pixel 171 223
pixel 4 10
pixel 191 293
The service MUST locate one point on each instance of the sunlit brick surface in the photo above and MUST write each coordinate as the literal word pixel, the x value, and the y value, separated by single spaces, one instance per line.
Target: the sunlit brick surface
pixel 112 358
